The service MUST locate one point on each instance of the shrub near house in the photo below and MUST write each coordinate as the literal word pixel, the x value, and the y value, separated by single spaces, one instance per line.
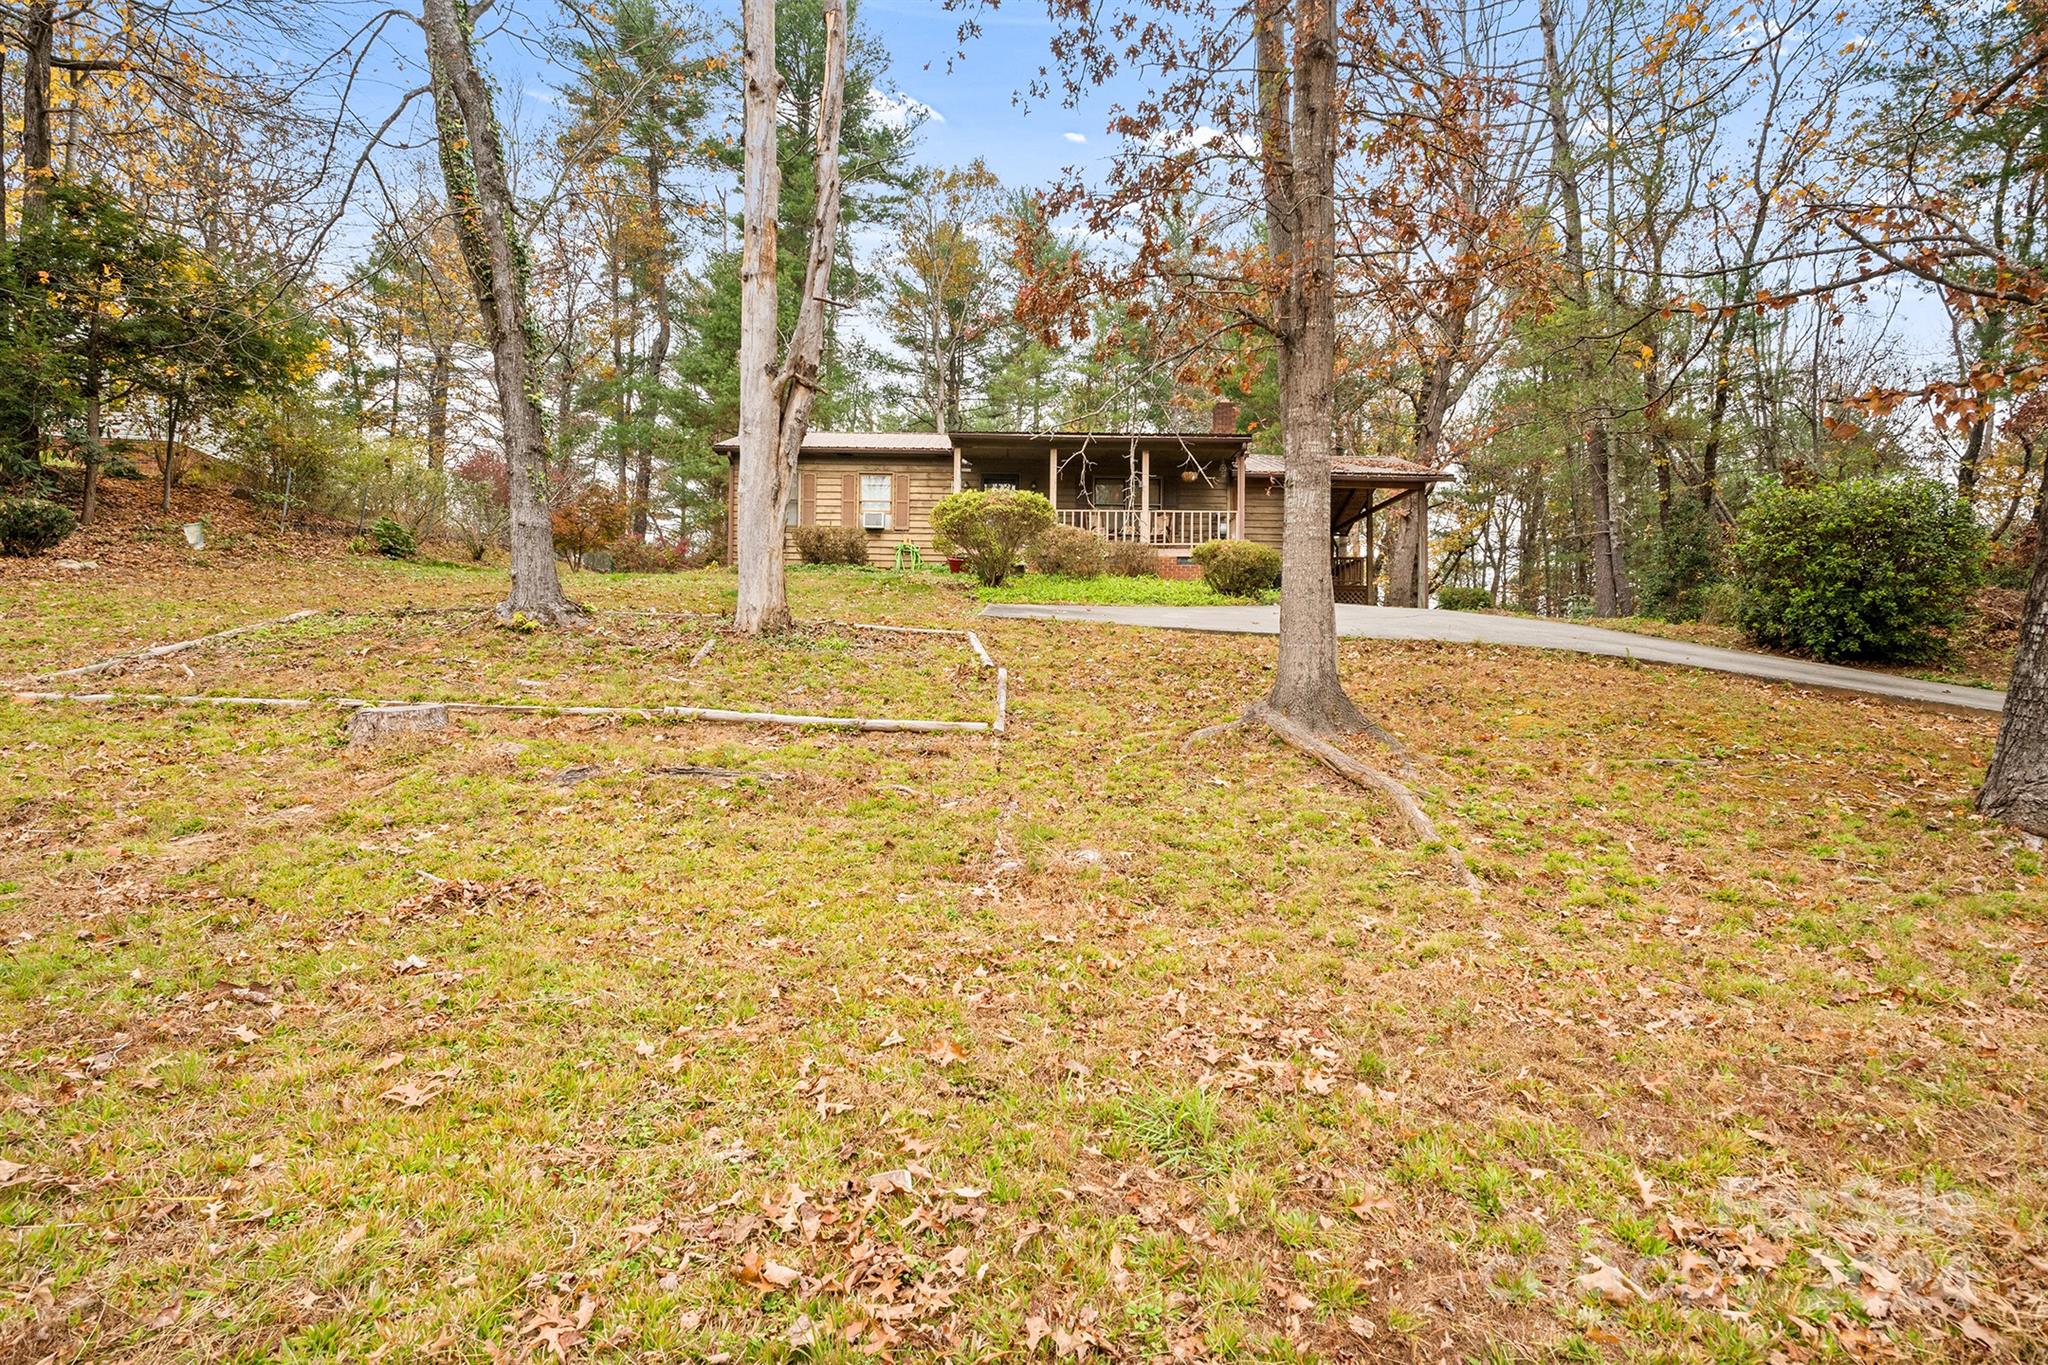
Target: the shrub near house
pixel 831 544
pixel 1068 550
pixel 1238 568
pixel 990 530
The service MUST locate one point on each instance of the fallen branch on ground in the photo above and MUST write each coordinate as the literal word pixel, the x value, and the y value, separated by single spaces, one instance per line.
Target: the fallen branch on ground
pixel 881 724
pixel 162 651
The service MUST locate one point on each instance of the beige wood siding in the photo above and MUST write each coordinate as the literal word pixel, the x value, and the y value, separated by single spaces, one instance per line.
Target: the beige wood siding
pixel 1263 515
pixel 916 486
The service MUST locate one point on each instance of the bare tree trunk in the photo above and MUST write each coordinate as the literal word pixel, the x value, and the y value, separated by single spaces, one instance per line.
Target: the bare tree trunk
pixel 1306 687
pixel 1577 287
pixel 763 605
pixel 437 409
pixel 89 506
pixel 170 460
pixel 38 38
pixel 775 402
pixel 2016 785
pixel 657 359
pixel 473 164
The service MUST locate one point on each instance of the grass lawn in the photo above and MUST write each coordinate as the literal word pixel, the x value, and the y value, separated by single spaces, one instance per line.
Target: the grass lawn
pixel 1108 589
pixel 510 1044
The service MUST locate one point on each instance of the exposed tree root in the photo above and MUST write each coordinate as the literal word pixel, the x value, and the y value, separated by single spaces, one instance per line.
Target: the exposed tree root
pixel 1367 776
pixel 566 615
pixel 1212 731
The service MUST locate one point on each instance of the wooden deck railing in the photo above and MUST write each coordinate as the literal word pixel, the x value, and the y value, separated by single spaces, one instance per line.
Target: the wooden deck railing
pixel 1161 526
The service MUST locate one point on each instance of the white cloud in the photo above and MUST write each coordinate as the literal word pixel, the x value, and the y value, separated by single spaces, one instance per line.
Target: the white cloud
pixel 1075 137
pixel 1198 138
pixel 898 109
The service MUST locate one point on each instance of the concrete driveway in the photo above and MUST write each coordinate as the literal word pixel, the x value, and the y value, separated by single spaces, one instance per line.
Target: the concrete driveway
pixel 1467 627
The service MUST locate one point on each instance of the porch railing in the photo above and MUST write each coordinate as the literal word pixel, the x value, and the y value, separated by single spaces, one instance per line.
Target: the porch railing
pixel 1160 526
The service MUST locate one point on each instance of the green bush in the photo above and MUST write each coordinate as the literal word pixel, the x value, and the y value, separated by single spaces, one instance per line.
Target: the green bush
pixel 1869 568
pixel 30 526
pixel 1680 561
pixel 990 530
pixel 1068 551
pixel 1238 568
pixel 1464 599
pixel 831 544
pixel 1128 559
pixel 392 540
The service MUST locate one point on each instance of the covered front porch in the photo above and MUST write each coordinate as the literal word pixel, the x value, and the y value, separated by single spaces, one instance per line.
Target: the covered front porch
pixel 1169 491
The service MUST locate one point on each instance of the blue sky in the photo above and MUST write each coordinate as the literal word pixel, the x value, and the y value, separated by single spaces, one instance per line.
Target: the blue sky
pixel 973 97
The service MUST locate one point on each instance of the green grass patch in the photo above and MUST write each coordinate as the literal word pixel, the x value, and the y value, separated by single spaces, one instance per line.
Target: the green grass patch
pixel 1109 590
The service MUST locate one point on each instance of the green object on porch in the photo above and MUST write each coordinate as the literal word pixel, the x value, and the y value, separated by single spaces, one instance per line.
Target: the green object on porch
pixel 908 551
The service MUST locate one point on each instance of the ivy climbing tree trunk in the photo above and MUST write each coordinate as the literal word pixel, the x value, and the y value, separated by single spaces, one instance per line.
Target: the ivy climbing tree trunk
pixel 776 399
pixel 480 196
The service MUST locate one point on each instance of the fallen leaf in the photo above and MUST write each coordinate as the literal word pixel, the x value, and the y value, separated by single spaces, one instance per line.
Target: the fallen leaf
pixel 1979 1333
pixel 410 1095
pixel 1608 1283
pixel 765 1275
pixel 1372 1203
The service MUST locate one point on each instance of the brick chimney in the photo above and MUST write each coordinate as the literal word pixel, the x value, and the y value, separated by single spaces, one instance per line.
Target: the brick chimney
pixel 1223 418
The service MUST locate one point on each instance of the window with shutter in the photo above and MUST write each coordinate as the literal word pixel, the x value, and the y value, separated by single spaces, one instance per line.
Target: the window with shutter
pixel 877 493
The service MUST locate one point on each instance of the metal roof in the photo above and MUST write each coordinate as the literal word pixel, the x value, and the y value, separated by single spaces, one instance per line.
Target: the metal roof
pixel 865 443
pixel 1389 469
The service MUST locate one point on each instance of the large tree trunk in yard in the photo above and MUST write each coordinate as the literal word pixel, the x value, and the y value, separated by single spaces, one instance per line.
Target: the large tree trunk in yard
pixel 775 401
pixel 762 482
pixel 2016 786
pixel 1306 687
pixel 473 164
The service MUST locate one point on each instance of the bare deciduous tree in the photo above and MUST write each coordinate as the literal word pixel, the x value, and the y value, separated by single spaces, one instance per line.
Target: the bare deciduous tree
pixel 776 398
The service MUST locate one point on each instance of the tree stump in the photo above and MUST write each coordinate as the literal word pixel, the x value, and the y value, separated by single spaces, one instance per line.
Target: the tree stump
pixel 377 724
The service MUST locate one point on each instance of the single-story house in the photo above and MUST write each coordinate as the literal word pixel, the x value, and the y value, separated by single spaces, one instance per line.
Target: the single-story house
pixel 1170 490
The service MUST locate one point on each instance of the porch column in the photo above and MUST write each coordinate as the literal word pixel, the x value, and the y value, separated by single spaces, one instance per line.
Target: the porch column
pixel 1372 592
pixel 956 469
pixel 1422 546
pixel 1237 525
pixel 1145 498
pixel 1052 478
